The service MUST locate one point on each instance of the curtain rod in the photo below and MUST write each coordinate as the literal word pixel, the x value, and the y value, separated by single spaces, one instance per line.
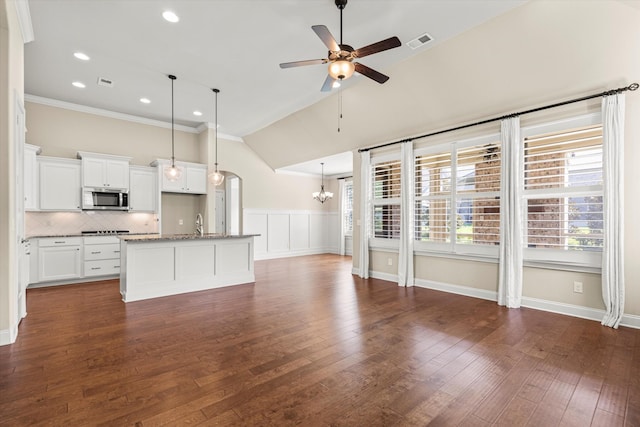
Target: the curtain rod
pixel 631 87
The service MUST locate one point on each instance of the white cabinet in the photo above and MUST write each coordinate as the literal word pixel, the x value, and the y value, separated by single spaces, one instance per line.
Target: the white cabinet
pixel 192 180
pixel 101 256
pixel 59 258
pixel 59 184
pixel 31 177
pixel 143 192
pixel 104 171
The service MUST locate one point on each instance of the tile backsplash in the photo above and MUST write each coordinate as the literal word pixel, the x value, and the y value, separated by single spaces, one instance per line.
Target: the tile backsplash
pixel 63 223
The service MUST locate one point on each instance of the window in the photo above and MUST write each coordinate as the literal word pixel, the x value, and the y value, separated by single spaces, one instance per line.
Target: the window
pixel 457 189
pixel 347 208
pixel 563 192
pixel 386 199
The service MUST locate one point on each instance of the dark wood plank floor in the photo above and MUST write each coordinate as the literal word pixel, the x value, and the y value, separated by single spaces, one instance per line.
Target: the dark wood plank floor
pixel 310 344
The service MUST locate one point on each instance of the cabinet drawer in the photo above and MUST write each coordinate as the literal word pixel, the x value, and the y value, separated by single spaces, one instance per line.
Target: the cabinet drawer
pixel 61 241
pixel 97 252
pixel 99 240
pixel 102 267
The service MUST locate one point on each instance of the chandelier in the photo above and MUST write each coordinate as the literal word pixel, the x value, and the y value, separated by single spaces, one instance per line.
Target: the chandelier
pixel 322 195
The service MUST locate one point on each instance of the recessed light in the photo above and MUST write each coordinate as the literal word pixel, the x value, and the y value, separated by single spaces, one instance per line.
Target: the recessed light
pixel 79 85
pixel 145 100
pixel 82 56
pixel 170 16
pixel 197 113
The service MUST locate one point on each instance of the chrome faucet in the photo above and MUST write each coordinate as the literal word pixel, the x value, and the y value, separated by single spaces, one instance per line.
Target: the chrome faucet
pixel 199 225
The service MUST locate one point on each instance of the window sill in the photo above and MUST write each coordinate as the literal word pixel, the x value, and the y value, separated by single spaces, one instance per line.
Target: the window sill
pixel 548 265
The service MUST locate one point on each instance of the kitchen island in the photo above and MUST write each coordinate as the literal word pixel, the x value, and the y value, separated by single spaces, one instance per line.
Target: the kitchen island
pixel 157 265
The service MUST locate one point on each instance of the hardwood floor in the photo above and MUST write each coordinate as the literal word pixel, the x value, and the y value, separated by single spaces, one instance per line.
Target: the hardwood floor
pixel 310 344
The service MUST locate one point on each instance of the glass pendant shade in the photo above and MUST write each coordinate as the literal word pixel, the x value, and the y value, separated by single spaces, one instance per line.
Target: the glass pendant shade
pixel 341 69
pixel 216 178
pixel 172 172
pixel 322 196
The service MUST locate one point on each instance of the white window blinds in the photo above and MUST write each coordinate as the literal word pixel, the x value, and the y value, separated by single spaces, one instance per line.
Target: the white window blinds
pixel 386 199
pixel 563 189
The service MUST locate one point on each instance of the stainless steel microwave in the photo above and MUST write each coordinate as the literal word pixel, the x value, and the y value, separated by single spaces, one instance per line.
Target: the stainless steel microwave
pixel 105 199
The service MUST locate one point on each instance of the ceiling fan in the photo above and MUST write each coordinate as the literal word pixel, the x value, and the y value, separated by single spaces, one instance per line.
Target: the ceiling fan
pixel 341 57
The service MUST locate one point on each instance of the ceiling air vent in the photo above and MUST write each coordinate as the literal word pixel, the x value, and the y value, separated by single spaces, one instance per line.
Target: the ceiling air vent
pixel 419 41
pixel 105 82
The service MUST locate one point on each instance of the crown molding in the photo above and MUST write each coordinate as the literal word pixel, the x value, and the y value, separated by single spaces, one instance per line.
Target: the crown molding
pixel 24 19
pixel 105 113
pixel 206 125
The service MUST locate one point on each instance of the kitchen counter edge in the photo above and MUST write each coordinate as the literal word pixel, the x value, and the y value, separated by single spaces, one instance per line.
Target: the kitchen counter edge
pixel 167 237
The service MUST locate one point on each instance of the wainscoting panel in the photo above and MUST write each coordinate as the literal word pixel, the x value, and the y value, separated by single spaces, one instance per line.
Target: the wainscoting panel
pixel 300 232
pixel 292 233
pixel 278 236
pixel 255 223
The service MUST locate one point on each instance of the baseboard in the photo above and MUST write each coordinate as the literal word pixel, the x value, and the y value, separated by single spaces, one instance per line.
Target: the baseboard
pixel 8 336
pixel 384 276
pixel 628 320
pixel 457 289
pixel 288 254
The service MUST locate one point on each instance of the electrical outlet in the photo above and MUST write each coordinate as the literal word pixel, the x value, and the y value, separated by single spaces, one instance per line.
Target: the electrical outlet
pixel 180 222
pixel 389 261
pixel 577 287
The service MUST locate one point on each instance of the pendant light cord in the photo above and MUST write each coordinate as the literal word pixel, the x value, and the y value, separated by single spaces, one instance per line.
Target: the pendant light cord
pixel 339 108
pixel 216 91
pixel 173 156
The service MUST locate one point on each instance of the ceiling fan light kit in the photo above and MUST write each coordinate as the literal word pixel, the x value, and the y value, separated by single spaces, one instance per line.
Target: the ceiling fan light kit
pixel 341 56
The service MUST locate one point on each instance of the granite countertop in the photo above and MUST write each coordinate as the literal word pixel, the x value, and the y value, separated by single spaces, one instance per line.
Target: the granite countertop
pixel 167 237
pixel 87 235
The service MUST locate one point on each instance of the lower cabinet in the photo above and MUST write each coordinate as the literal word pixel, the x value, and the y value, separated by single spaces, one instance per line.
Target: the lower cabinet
pixel 59 259
pixel 101 256
pixel 70 258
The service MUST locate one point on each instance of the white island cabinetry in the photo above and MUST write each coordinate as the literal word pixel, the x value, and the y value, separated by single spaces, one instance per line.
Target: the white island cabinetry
pixel 157 265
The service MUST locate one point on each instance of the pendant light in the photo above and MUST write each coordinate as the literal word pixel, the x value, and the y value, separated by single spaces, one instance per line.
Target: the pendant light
pixel 322 195
pixel 172 172
pixel 216 177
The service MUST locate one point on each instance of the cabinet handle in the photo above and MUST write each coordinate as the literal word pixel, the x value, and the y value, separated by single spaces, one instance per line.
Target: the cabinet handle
pixel 96 268
pixel 96 252
pixel 116 266
pixel 116 252
pixel 56 241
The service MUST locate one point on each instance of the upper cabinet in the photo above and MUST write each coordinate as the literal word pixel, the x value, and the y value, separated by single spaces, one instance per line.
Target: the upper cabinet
pixel 59 184
pixel 31 177
pixel 104 171
pixel 143 194
pixel 192 180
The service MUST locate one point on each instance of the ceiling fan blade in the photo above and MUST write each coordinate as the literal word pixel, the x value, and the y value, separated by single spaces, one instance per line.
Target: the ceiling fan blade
pixel 302 63
pixel 390 43
pixel 371 73
pixel 328 84
pixel 326 37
